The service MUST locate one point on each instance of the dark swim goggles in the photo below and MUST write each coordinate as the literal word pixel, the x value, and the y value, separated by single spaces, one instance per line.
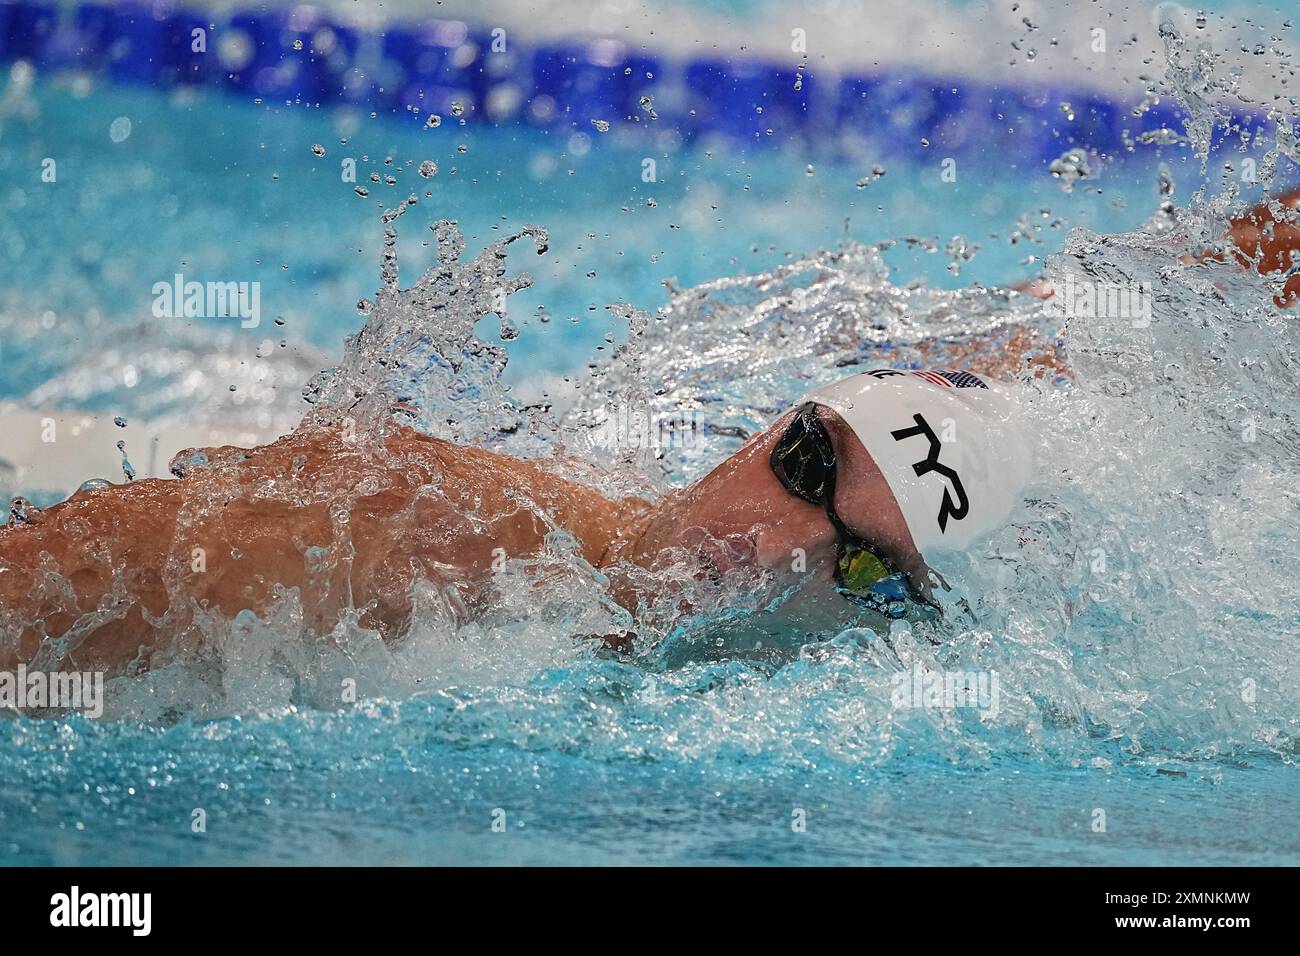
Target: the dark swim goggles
pixel 803 460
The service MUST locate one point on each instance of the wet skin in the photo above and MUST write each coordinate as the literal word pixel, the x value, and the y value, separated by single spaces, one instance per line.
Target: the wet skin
pixel 266 519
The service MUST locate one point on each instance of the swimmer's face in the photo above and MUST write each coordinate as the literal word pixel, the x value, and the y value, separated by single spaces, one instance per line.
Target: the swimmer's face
pixel 740 513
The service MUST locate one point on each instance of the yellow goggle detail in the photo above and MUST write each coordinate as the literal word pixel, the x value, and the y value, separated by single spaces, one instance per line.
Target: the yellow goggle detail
pixel 859 568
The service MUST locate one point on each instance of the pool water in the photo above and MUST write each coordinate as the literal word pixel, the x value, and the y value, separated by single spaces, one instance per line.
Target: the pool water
pixel 209 184
pixel 418 783
pixel 1121 739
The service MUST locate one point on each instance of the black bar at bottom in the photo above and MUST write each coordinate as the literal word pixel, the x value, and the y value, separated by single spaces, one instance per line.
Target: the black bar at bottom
pixel 224 906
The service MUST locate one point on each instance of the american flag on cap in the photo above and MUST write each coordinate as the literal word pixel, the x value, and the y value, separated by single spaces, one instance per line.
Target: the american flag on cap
pixel 950 379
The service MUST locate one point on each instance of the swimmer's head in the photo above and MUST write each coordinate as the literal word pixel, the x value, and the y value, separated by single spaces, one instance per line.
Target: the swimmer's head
pixel 849 487
pixel 950 445
pixel 743 514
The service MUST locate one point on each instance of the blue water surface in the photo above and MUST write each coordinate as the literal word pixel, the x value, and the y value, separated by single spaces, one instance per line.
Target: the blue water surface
pixel 216 186
pixel 387 786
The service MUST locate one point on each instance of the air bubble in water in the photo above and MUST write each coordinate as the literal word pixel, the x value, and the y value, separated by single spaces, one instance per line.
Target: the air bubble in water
pixel 428 169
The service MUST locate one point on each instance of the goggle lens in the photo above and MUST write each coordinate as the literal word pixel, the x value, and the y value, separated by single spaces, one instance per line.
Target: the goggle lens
pixel 803 460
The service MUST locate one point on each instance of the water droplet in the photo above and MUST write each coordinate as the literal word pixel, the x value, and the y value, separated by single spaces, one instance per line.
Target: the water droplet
pixel 318 149
pixel 22 511
pixel 601 125
pixel 1070 167
pixel 119 421
pixel 433 122
pixel 182 465
pixel 120 129
pixel 428 169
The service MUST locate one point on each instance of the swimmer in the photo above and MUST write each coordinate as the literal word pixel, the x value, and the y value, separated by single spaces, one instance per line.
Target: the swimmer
pixel 827 481
pixel 861 479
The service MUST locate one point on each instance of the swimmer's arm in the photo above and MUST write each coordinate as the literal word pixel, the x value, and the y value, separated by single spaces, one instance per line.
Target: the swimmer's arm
pixel 118 573
pixel 1262 241
pixel 1003 354
pixel 1266 243
pixel 126 569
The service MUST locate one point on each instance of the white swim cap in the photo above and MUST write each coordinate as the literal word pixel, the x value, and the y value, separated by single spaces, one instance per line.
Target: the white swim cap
pixel 951 446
